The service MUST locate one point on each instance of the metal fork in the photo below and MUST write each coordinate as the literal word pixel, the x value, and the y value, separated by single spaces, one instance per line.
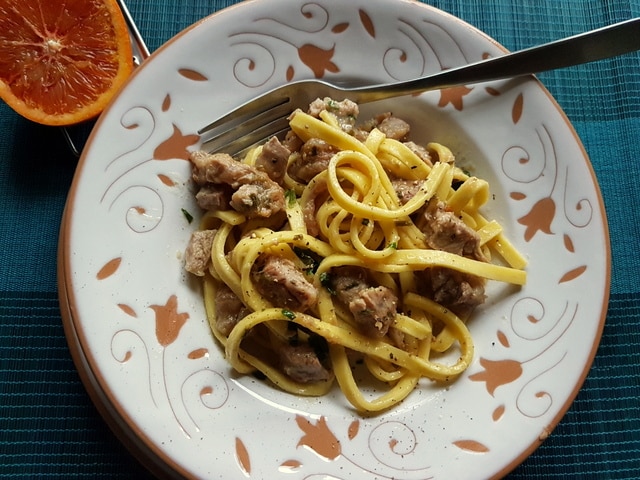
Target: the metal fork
pixel 267 115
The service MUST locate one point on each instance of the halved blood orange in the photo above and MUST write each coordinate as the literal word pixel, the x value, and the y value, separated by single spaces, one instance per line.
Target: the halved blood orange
pixel 61 61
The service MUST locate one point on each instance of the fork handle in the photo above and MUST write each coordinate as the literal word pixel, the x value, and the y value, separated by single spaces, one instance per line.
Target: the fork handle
pixel 606 42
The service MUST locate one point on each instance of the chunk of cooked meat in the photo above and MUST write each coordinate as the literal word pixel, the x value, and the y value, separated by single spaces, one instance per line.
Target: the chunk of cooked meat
pixel 405 189
pixel 421 152
pixel 292 141
pixel 254 200
pixel 392 127
pixel 283 283
pixel 254 193
pixel 346 111
pixel 373 307
pixel 444 231
pixel 229 309
pixel 314 158
pixel 198 252
pixel 213 197
pixel 302 364
pixel 460 292
pixel 273 159
pixel 316 197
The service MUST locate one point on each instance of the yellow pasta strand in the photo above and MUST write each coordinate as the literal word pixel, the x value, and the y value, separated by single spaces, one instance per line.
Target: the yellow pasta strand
pixel 350 215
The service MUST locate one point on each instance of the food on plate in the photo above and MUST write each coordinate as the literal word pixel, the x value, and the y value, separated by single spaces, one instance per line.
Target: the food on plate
pixel 62 62
pixel 345 247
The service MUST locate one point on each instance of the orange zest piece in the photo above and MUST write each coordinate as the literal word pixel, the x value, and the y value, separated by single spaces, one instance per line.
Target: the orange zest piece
pixel 61 61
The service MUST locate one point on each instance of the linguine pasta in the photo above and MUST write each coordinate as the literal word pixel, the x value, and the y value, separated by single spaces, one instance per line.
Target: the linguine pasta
pixel 346 224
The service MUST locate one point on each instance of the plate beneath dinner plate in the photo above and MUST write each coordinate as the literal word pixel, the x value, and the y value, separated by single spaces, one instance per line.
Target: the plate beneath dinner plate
pixel 136 320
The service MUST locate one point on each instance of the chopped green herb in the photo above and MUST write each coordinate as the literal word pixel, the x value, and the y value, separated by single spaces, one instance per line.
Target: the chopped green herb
pixel 365 221
pixel 187 215
pixel 290 195
pixel 288 314
pixel 393 245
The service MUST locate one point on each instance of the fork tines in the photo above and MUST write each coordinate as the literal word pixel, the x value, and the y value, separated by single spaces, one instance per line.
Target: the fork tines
pixel 248 126
pixel 235 143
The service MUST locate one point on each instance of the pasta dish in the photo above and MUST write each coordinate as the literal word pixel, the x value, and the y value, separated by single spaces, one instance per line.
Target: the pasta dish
pixel 345 247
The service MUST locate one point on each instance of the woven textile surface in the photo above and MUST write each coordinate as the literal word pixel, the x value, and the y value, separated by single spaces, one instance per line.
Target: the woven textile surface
pixel 49 428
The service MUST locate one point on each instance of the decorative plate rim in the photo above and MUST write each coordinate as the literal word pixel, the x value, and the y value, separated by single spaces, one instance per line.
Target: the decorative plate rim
pixel 125 427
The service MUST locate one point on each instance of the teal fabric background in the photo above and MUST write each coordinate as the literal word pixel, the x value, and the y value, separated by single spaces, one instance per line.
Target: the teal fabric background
pixel 50 429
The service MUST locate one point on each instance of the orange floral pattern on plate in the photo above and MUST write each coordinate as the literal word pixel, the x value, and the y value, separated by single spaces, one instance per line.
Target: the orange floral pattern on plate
pixel 157 338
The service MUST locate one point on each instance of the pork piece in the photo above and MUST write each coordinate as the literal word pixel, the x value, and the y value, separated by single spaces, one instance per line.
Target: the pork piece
pixel 346 111
pixel 373 307
pixel 198 252
pixel 405 189
pixel 254 200
pixel 229 309
pixel 214 197
pixel 317 196
pixel 421 152
pixel 314 158
pixel 254 193
pixel 302 364
pixel 397 338
pixel 273 159
pixel 292 141
pixel 444 231
pixel 393 127
pixel 460 292
pixel 283 283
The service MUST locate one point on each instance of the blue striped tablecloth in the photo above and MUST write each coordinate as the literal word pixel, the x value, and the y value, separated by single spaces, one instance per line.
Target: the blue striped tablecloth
pixel 50 429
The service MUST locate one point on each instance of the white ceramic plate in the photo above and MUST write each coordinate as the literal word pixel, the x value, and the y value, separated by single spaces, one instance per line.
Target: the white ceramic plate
pixel 136 322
